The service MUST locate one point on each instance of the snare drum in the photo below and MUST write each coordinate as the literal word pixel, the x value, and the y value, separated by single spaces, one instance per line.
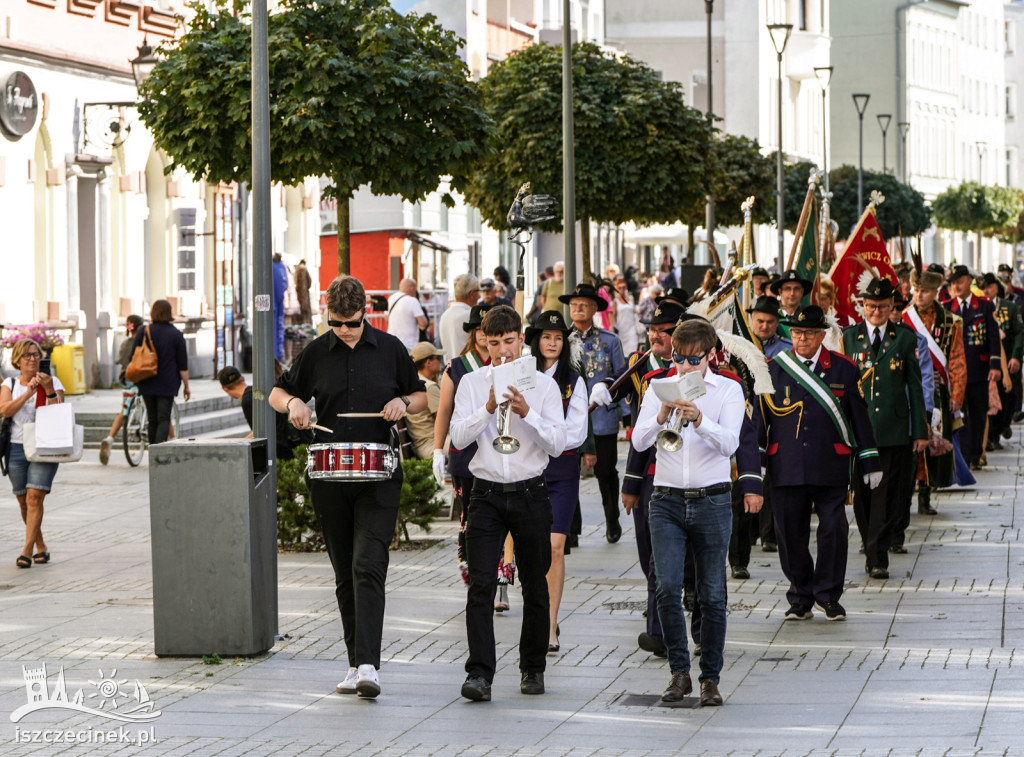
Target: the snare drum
pixel 350 462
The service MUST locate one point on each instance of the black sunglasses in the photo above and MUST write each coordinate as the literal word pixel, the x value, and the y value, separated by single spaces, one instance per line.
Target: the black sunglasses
pixel 691 359
pixel 349 324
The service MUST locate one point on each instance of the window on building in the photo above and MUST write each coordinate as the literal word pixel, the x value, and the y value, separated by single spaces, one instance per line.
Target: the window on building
pixel 801 11
pixel 443 212
pixel 473 221
pixel 1011 167
pixel 417 215
pixel 1011 100
pixel 1009 36
pixel 186 249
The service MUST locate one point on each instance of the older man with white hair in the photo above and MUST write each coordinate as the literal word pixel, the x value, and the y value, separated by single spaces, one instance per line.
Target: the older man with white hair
pixel 406 317
pixel 466 289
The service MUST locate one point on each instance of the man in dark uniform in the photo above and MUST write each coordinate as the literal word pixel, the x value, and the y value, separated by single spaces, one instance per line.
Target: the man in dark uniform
pixel 890 380
pixel 812 427
pixel 790 288
pixel 354 368
pixel 759 278
pixel 981 350
pixel 1012 328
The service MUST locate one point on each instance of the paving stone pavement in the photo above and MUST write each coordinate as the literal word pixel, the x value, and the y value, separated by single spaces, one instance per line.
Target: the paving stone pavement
pixel 926 664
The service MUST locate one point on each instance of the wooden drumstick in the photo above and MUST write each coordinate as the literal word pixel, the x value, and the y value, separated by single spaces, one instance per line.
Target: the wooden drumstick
pixel 359 415
pixel 322 428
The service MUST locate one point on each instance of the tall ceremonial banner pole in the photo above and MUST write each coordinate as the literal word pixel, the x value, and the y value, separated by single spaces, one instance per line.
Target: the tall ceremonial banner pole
pixel 746 252
pixel 263 285
pixel 812 183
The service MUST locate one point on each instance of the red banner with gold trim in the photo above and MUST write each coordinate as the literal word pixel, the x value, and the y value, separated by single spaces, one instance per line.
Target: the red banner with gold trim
pixel 864 257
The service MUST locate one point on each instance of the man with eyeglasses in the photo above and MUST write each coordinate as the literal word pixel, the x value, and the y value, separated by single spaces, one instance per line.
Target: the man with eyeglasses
pixel 350 369
pixel 813 426
pixel 790 288
pixel 691 506
pixel 890 380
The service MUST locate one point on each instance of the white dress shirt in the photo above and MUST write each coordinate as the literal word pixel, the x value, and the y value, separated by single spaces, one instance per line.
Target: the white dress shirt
pixel 576 418
pixel 541 433
pixel 703 460
pixel 814 360
pixel 403 310
pixel 453 336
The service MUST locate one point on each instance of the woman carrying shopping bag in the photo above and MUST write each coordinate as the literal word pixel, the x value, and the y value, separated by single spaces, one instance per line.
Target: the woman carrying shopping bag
pixel 31 481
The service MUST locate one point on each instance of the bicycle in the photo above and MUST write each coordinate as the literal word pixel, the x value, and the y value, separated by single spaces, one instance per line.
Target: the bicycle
pixel 135 430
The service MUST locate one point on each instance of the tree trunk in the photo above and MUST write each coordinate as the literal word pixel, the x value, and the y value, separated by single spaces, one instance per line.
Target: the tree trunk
pixel 977 254
pixel 344 244
pixel 691 245
pixel 585 246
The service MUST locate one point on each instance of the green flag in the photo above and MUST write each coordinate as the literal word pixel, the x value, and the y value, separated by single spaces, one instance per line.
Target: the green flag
pixel 807 259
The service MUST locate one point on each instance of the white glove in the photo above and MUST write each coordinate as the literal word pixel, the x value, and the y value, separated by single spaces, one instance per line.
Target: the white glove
pixel 600 394
pixel 439 466
pixel 873 479
pixel 936 418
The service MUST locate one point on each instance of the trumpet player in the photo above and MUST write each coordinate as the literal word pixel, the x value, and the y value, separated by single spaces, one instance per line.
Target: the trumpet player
pixel 691 507
pixel 509 496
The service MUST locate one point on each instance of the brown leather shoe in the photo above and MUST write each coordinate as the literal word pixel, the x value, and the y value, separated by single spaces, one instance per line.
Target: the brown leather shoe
pixel 678 687
pixel 709 696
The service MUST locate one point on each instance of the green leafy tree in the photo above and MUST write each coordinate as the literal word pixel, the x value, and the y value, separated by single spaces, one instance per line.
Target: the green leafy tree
pixel 297 527
pixel 359 93
pixel 794 179
pixel 904 212
pixel 639 150
pixel 1013 232
pixel 978 208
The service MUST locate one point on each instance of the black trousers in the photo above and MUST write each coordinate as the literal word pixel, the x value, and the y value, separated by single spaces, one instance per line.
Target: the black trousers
pixel 642 529
pixel 908 478
pixel 879 511
pixel 744 525
pixel 607 475
pixel 158 411
pixel 527 515
pixel 765 518
pixel 358 522
pixel 975 412
pixel 812 580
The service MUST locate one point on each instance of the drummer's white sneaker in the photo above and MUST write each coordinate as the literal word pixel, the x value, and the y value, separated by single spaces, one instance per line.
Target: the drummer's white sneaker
pixel 348 686
pixel 367 681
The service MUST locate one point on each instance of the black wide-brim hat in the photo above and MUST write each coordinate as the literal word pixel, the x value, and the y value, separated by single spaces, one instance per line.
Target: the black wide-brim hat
pixel 549 320
pixel 665 313
pixel 677 295
pixel 476 317
pixel 790 275
pixel 765 304
pixel 878 289
pixel 587 291
pixel 807 317
pixel 958 271
pixel 990 278
pixel 760 272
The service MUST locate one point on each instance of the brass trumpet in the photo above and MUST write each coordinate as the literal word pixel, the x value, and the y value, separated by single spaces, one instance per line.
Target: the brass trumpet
pixel 670 439
pixel 506 444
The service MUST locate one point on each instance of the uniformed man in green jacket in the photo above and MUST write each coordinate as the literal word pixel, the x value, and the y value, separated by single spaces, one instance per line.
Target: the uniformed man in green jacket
pixel 890 381
pixel 1011 326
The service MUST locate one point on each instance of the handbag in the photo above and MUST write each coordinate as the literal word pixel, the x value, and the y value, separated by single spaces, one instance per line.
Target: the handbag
pixel 5 440
pixel 144 361
pixel 53 437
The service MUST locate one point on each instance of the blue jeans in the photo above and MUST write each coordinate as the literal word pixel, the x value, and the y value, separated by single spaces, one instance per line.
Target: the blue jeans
pixel 703 525
pixel 25 475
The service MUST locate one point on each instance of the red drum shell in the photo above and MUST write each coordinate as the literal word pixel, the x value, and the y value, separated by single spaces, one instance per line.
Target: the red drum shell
pixel 350 462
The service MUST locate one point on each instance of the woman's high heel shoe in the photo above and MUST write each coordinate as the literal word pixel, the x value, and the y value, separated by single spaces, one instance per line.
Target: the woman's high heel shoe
pixel 501 605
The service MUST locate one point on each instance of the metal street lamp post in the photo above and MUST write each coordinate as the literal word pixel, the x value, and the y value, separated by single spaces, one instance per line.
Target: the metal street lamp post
pixel 824 74
pixel 883 122
pixel 981 147
pixel 709 221
pixel 860 102
pixel 904 127
pixel 780 36
pixel 568 154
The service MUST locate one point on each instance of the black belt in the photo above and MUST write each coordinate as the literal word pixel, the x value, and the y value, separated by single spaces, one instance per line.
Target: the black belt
pixel 707 491
pixel 483 485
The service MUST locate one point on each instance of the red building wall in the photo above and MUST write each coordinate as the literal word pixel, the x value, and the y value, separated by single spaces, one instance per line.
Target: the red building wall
pixel 371 255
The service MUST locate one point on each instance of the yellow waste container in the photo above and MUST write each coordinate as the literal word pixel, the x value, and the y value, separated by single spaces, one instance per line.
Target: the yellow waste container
pixel 69 364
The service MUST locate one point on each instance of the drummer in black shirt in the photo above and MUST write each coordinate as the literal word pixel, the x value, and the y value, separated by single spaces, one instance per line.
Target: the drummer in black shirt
pixel 354 368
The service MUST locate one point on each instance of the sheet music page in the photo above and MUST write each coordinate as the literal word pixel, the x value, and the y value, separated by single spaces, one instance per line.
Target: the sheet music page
pixel 521 373
pixel 687 386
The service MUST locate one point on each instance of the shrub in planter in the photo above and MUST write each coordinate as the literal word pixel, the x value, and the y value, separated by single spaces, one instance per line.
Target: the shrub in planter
pixel 297 526
pixel 418 506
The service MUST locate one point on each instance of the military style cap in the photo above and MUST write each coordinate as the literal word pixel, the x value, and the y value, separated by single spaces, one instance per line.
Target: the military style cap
pixel 878 289
pixel 587 291
pixel 790 275
pixel 958 271
pixel 808 317
pixel 759 271
pixel 678 295
pixel 549 320
pixel 1003 267
pixel 990 278
pixel 765 304
pixel 476 317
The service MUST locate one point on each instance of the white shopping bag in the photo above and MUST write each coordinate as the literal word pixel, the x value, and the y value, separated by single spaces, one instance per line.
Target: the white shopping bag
pixel 55 429
pixel 28 432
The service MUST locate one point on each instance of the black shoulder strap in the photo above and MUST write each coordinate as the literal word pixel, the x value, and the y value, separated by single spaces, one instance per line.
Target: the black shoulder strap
pixel 396 302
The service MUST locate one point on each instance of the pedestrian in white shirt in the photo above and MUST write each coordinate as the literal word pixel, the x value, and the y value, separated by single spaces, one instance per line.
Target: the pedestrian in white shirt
pixel 405 314
pixel 509 495
pixel 466 289
pixel 691 507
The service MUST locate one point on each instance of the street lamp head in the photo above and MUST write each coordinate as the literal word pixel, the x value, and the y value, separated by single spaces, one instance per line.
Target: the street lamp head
pixel 143 63
pixel 904 127
pixel 780 36
pixel 883 121
pixel 982 146
pixel 824 74
pixel 860 102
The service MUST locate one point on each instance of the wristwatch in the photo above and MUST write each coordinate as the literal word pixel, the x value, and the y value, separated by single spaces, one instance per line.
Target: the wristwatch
pixel 405 400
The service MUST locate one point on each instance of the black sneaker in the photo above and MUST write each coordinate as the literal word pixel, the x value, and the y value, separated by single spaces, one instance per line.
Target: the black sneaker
pixel 1007 432
pixel 799 612
pixel 833 610
pixel 532 683
pixel 898 549
pixel 769 546
pixel 477 689
pixel 653 644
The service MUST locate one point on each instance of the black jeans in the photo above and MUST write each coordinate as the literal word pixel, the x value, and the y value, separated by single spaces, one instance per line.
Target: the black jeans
pixel 158 411
pixel 358 522
pixel 527 516
pixel 743 525
pixel 607 475
pixel 975 413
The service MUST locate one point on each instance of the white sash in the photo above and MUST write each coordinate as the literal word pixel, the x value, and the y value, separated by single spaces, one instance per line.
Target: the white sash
pixel 938 356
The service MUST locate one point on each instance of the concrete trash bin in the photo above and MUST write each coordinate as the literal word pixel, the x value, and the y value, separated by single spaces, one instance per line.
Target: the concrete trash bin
pixel 213 515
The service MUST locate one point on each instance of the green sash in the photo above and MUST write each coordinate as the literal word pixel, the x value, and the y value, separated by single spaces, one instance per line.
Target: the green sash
pixel 471 361
pixel 819 391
